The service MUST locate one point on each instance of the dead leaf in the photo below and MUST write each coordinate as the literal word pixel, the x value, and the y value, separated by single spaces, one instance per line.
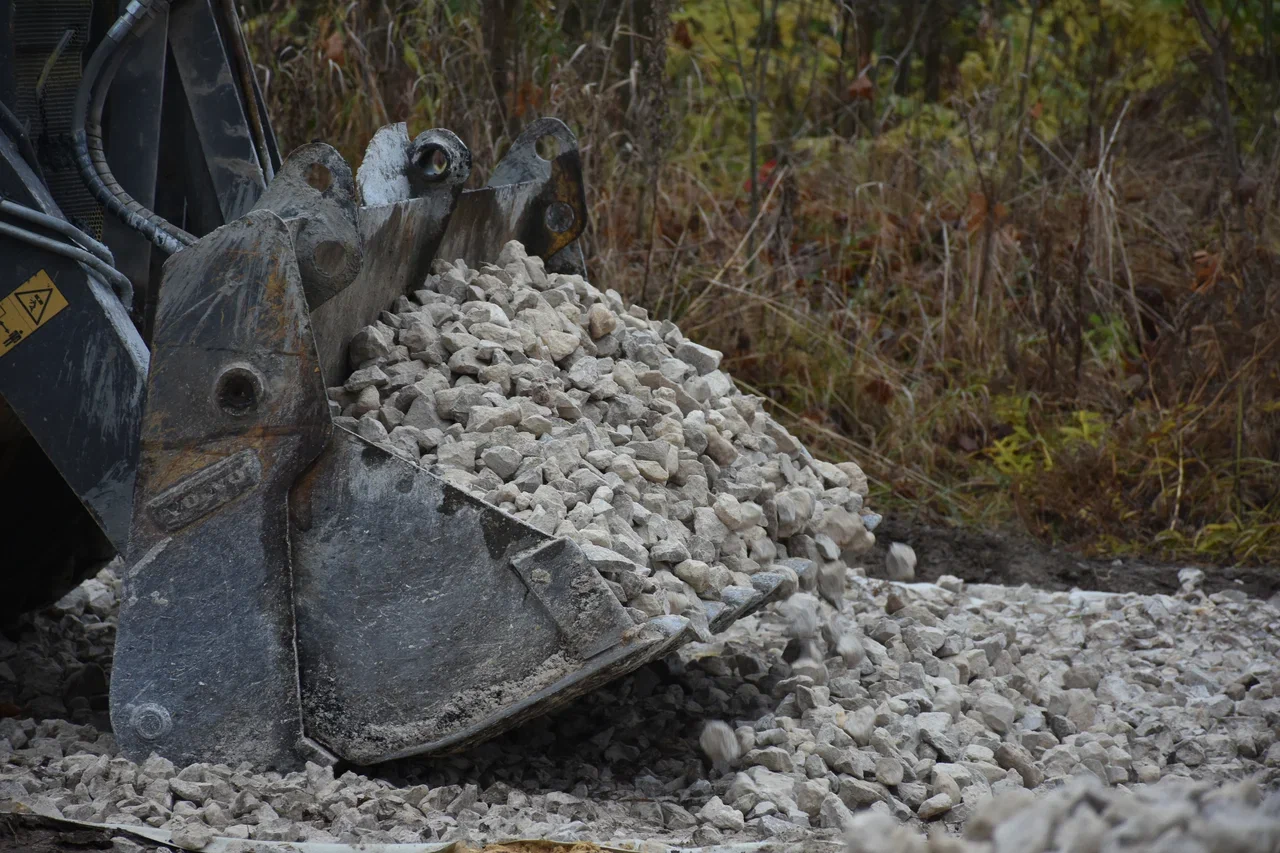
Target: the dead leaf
pixel 862 89
pixel 979 208
pixel 1208 270
pixel 681 35
pixel 879 390
pixel 335 49
pixel 527 97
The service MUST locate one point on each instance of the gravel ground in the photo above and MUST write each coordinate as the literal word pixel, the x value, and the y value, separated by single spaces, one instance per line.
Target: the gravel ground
pixel 869 712
pixel 1089 715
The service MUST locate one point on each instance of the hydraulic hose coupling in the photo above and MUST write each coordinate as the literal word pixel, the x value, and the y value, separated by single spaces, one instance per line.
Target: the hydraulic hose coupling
pixel 136 18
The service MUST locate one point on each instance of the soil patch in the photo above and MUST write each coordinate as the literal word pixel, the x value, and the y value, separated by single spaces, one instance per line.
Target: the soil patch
pixel 1014 559
pixel 34 834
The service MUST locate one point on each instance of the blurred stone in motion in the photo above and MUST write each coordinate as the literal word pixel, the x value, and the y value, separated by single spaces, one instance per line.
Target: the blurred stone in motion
pixel 720 744
pixel 900 562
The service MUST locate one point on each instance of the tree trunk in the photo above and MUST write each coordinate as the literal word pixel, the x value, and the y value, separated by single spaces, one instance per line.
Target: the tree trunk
pixel 1218 40
pixel 500 18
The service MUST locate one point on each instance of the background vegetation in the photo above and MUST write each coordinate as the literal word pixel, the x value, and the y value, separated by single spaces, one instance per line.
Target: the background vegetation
pixel 1017 257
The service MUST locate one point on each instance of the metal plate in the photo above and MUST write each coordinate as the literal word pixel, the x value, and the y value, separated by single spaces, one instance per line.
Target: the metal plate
pixel 428 619
pixel 217 107
pixel 205 668
pixel 398 237
pixel 76 383
pixel 537 201
pixel 398 243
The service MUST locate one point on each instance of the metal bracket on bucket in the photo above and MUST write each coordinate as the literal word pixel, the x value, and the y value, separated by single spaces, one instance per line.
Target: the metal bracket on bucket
pixel 416 210
pixel 205 667
pixel 535 195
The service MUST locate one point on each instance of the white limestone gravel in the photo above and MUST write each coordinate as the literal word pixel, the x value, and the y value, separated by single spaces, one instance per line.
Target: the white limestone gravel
pixel 583 417
pixel 977 718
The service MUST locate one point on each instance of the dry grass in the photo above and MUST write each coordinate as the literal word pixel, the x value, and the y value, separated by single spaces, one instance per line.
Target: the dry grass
pixel 1076 334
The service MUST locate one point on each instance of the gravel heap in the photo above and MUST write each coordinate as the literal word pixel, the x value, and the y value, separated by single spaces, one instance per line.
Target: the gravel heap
pixel 586 419
pixel 906 709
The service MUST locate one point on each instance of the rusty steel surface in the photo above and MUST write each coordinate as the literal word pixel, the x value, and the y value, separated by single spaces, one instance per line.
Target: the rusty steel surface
pixel 315 193
pixel 537 200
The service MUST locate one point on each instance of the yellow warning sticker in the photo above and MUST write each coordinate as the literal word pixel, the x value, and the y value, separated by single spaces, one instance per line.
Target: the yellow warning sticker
pixel 28 308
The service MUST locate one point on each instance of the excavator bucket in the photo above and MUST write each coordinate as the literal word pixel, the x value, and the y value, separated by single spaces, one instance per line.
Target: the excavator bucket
pixel 294 591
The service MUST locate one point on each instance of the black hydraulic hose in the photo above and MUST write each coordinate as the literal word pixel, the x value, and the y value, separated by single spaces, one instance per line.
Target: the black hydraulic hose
pixel 10 123
pixel 53 223
pixel 87 131
pixel 118 282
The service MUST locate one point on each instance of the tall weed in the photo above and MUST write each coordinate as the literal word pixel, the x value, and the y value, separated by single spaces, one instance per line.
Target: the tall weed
pixel 988 249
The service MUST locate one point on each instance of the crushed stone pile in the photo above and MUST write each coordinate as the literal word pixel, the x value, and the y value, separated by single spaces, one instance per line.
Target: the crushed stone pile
pixel 584 418
pixel 946 717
